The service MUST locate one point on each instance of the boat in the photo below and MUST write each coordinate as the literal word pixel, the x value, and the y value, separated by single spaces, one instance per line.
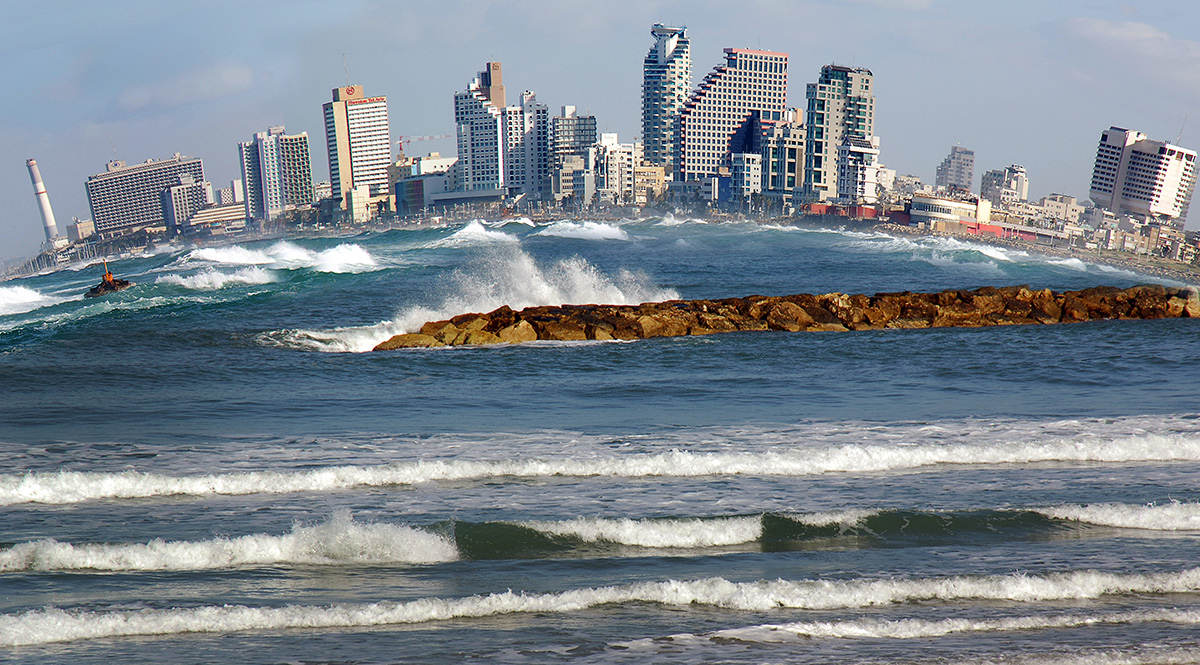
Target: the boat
pixel 108 284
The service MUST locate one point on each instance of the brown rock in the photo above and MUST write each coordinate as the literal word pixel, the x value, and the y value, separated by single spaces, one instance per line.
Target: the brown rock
pixel 444 331
pixel 788 316
pixel 553 329
pixel 409 341
pixel 516 333
pixel 480 338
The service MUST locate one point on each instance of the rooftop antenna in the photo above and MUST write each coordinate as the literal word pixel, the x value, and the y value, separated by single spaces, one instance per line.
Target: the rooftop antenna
pixel 112 142
pixel 346 68
pixel 1177 138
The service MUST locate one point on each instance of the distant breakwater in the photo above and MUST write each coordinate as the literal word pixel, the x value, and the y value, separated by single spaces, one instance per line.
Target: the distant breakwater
pixel 987 306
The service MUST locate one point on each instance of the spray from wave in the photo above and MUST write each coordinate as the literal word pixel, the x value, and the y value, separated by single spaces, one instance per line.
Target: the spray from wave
pixel 343 258
pixel 21 299
pixel 210 278
pixel 75 486
pixel 57 625
pixel 473 234
pixel 504 275
pixel 584 231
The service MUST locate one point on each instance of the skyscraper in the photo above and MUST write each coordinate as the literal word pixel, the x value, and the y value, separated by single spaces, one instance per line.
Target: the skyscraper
pixel 125 199
pixel 1137 176
pixel 725 114
pixel 841 105
pixel 957 170
pixel 666 84
pixel 276 172
pixel 526 129
pixel 478 115
pixel 359 141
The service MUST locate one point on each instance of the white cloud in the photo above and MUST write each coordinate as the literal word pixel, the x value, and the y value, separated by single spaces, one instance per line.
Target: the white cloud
pixel 199 85
pixel 1143 48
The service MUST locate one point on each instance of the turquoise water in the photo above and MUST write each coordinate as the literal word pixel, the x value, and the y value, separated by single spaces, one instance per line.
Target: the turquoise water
pixel 208 466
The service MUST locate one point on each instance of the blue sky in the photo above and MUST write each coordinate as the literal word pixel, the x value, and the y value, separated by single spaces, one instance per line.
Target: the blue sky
pixel 1023 81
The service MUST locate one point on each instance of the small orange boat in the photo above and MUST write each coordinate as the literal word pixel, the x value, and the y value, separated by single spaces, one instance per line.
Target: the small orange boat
pixel 108 284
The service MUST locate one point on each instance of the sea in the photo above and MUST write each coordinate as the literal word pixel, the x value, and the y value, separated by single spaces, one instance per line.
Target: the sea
pixel 213 467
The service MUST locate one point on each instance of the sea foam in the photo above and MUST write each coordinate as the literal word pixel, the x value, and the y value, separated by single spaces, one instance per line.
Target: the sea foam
pixel 210 278
pixel 75 486
pixel 1173 516
pixel 341 540
pixel 584 231
pixel 343 258
pixel 665 533
pixel 59 625
pixel 21 299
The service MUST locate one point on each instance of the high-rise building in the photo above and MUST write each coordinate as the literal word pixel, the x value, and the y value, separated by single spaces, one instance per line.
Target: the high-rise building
pixel 858 170
pixel 526 129
pixel 726 113
pixel 125 199
pixel 184 199
pixel 841 105
pixel 957 170
pixel 666 85
pixel 1005 186
pixel 359 141
pixel 478 115
pixel 783 157
pixel 571 134
pixel 1137 176
pixel 616 163
pixel 276 173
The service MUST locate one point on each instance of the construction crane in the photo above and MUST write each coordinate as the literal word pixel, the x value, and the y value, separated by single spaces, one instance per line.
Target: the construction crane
pixel 405 140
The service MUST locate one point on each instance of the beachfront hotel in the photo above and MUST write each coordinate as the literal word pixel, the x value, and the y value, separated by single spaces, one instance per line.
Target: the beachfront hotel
pixel 276 172
pixel 359 142
pixel 125 199
pixel 841 105
pixel 725 115
pixel 1135 175
pixel 666 84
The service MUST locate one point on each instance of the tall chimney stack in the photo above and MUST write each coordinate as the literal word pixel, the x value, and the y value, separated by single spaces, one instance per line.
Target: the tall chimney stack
pixel 43 199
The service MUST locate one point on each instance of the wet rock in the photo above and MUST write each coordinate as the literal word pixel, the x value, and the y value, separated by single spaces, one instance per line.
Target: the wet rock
pixel 409 341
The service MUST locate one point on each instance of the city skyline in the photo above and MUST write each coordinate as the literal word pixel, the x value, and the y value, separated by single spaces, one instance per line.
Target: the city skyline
pixel 1024 84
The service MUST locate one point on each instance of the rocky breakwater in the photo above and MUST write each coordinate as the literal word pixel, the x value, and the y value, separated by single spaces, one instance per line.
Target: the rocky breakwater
pixel 988 306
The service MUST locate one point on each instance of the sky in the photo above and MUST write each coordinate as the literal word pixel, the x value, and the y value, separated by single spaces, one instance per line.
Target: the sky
pixel 1030 82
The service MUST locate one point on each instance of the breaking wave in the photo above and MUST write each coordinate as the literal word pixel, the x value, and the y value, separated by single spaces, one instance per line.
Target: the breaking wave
pixel 473 233
pixel 210 278
pixel 57 625
pixel 75 486
pixel 584 231
pixel 669 533
pixel 503 276
pixel 1173 516
pixel 21 299
pixel 343 258
pixel 340 540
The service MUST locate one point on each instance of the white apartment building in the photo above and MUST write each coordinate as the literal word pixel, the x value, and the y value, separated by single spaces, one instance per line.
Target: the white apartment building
pixel 841 105
pixel 526 129
pixel 858 171
pixel 724 115
pixel 359 142
pixel 666 85
pixel 615 163
pixel 125 199
pixel 746 174
pixel 1005 186
pixel 478 114
pixel 957 170
pixel 1137 176
pixel 276 173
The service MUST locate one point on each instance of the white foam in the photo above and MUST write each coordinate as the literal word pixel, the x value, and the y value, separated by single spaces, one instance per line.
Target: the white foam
pixel 57 625
pixel 340 540
pixel 679 533
pixel 842 518
pixel 584 231
pixel 74 486
pixel 472 234
pixel 210 278
pixel 907 629
pixel 21 299
pixel 505 275
pixel 343 258
pixel 523 221
pixel 1173 516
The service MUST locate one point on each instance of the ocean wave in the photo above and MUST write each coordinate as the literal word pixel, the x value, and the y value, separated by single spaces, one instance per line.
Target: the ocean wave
pixel 584 231
pixel 343 258
pixel 340 540
pixel 58 625
pixel 907 629
pixel 21 299
pixel 503 276
pixel 522 221
pixel 210 278
pixel 658 533
pixel 1173 516
pixel 75 486
pixel 474 233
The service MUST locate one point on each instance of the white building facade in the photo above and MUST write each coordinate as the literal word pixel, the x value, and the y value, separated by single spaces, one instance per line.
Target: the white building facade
pixel 841 105
pixel 1138 176
pixel 478 115
pixel 957 170
pixel 725 114
pixel 276 173
pixel 858 171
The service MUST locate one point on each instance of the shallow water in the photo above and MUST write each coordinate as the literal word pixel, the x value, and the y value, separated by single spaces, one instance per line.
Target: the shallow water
pixel 207 467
